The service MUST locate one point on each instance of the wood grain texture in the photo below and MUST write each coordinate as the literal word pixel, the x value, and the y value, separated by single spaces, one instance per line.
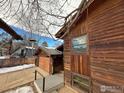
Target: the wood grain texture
pixel 45 64
pixel 104 59
pixel 106 37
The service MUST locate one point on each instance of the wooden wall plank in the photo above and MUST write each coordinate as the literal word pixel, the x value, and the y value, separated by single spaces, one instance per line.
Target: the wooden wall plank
pixel 104 25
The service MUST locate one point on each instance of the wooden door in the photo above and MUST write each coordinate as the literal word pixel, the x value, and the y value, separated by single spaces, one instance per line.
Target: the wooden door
pixel 80 64
pixel 80 72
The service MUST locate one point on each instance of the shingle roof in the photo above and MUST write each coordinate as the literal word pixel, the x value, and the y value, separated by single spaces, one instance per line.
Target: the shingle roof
pixel 51 51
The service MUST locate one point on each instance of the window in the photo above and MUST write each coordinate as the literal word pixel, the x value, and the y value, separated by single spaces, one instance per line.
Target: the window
pixel 79 44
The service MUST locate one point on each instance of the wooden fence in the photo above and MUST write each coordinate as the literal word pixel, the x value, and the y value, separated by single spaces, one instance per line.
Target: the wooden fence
pixel 16 61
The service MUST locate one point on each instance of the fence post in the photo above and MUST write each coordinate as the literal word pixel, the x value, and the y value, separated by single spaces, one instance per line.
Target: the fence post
pixel 43 84
pixel 35 74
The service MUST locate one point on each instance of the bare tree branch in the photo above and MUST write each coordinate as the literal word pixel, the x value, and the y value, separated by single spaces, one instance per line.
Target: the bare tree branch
pixel 36 16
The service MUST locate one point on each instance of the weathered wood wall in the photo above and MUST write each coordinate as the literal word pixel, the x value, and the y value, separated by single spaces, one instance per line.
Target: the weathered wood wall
pixel 75 62
pixel 67 60
pixel 105 28
pixel 16 61
pixel 106 36
pixel 45 63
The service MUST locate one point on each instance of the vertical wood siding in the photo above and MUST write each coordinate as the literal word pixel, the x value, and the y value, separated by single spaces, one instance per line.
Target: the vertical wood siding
pixel 79 64
pixel 75 62
pixel 45 63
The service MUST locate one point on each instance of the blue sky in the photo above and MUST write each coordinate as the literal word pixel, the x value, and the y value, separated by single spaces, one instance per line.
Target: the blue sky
pixel 50 41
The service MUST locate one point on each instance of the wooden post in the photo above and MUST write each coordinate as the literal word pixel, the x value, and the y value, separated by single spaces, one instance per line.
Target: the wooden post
pixel 43 84
pixel 35 74
pixel 43 79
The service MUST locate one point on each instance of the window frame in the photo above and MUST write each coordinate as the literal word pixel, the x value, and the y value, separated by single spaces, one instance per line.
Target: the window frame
pixel 86 43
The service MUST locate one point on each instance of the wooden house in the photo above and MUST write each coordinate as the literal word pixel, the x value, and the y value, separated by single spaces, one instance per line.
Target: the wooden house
pixel 94 47
pixel 50 60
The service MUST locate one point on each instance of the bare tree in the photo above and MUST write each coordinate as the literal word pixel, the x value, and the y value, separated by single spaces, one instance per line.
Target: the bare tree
pixel 43 17
pixel 45 44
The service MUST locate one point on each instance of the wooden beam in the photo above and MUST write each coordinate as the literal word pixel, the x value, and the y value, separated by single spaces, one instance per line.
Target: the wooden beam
pixel 9 30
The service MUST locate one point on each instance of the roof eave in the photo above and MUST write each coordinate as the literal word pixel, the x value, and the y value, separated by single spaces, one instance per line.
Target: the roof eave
pixel 9 30
pixel 58 34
